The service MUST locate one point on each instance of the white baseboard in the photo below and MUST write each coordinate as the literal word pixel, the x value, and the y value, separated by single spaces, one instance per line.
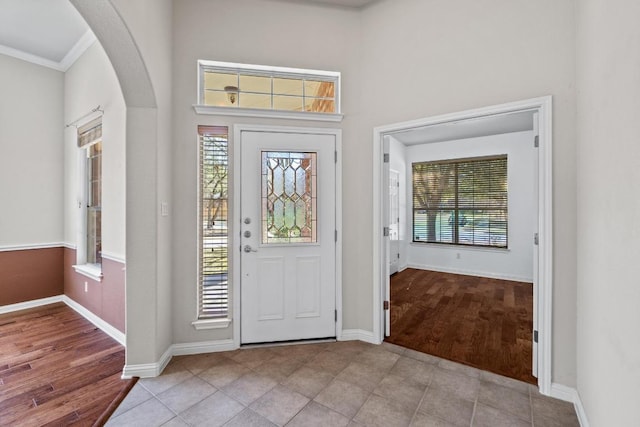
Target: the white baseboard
pixel 202 347
pixel 569 394
pixel 488 274
pixel 30 304
pixel 358 334
pixel 148 370
pixel 104 326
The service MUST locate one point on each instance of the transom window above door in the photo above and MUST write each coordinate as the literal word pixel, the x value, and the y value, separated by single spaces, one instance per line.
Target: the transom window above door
pixel 257 90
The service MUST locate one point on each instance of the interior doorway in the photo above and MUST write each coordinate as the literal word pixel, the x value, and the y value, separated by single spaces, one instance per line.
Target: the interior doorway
pixel 536 113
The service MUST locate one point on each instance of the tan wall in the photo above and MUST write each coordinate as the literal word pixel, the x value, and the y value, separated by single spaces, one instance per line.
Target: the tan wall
pixel 105 299
pixel 30 274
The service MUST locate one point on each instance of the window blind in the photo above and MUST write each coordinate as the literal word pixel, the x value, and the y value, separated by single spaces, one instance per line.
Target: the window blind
pixel 462 201
pixel 90 133
pixel 213 287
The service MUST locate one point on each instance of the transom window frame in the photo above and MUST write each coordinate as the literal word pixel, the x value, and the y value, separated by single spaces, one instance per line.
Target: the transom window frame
pixel 276 72
pixel 456 209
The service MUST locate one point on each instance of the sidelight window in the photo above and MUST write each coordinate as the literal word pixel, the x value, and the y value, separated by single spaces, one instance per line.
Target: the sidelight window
pixel 213 300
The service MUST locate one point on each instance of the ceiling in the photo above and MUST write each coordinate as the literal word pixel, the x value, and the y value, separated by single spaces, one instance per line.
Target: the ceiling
pixel 53 34
pixel 47 32
pixel 470 128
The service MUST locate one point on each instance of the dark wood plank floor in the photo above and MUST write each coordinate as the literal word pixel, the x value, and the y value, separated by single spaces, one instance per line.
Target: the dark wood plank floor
pixel 56 368
pixel 481 322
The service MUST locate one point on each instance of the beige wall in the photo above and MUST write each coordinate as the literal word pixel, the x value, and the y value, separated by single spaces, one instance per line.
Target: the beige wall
pixel 273 33
pixel 422 58
pixel 31 155
pixel 400 60
pixel 608 211
pixel 90 82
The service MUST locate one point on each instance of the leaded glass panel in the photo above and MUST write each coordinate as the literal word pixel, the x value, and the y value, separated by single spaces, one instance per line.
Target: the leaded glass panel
pixel 288 197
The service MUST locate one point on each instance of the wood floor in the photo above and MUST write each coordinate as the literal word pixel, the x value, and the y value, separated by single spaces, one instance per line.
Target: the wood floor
pixel 481 322
pixel 56 368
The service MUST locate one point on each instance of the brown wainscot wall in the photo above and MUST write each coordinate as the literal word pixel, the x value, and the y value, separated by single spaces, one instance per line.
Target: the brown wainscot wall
pixel 105 299
pixel 30 274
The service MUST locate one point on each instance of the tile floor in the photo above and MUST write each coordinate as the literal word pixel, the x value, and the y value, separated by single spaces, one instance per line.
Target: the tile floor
pixel 334 384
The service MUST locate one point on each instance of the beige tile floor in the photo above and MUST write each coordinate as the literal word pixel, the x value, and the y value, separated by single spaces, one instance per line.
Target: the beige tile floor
pixel 334 384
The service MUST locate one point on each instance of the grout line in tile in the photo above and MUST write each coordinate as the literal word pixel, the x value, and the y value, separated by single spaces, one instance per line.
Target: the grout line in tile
pixel 473 414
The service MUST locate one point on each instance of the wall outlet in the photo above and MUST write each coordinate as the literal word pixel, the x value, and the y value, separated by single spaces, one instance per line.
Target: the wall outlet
pixel 86 286
pixel 457 255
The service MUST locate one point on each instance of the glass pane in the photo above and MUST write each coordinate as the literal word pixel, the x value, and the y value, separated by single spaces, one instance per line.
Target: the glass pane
pixel 251 100
pixel 289 103
pixel 288 197
pixel 320 105
pixel 319 89
pixel 287 86
pixel 255 84
pixel 218 81
pixel 218 99
pixel 94 243
pixel 213 297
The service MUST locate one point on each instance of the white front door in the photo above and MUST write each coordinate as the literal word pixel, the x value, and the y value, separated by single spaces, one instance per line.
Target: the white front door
pixel 288 228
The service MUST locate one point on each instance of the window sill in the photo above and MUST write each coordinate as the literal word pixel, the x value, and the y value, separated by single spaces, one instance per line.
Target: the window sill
pixel 211 323
pixel 454 247
pixel 92 271
pixel 273 114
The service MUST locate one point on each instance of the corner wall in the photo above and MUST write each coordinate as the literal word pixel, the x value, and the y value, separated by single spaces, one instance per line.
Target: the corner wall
pixel 608 215
pixel 31 181
pixel 514 263
pixel 421 58
pixel 90 82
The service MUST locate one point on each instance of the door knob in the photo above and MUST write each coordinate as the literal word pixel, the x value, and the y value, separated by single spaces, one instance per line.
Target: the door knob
pixel 248 248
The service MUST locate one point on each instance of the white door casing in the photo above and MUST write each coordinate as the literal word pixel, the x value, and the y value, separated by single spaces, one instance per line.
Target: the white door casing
pixel 543 252
pixel 287 284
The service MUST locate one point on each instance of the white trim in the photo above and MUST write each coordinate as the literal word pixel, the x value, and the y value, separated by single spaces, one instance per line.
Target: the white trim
pixel 84 43
pixel 281 71
pixel 30 304
pixel 34 59
pixel 470 272
pixel 31 246
pixel 271 114
pixel 72 56
pixel 201 324
pixel 359 335
pixel 91 317
pixel 71 246
pixel 235 191
pixel 203 347
pixel 545 217
pixel 148 370
pixel 113 257
pixel 569 394
pixel 89 270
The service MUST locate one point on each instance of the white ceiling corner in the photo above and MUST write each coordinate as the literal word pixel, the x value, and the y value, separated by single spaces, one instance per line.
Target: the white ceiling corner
pixel 49 33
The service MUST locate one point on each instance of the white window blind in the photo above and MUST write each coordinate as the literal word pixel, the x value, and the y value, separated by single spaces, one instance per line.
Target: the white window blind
pixel 213 286
pixel 461 202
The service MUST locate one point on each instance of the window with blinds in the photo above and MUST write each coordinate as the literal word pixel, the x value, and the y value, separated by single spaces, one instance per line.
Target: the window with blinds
pixel 213 286
pixel 90 139
pixel 461 202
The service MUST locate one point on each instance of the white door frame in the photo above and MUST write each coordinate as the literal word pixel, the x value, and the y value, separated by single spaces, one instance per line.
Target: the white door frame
pixel 235 243
pixel 543 107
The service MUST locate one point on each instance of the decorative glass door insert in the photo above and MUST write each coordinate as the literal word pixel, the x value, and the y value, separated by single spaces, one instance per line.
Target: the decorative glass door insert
pixel 289 197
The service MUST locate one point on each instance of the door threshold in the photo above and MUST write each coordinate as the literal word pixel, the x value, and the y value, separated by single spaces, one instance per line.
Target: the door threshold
pixel 290 342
